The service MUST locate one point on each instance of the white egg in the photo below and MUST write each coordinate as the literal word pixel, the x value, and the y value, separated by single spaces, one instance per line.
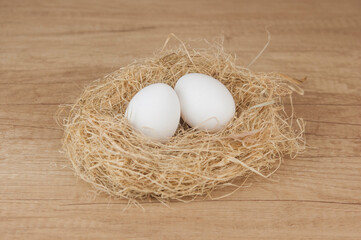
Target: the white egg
pixel 155 111
pixel 205 102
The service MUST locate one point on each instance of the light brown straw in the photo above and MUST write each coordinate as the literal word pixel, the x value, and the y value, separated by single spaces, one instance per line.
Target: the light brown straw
pixel 106 152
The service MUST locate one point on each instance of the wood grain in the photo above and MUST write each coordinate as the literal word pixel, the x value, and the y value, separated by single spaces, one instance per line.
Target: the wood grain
pixel 51 49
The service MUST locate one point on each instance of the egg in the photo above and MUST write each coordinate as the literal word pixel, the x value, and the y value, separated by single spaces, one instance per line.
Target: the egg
pixel 155 111
pixel 206 104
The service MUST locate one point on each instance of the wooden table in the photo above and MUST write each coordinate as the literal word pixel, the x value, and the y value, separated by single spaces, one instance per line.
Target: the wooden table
pixel 51 49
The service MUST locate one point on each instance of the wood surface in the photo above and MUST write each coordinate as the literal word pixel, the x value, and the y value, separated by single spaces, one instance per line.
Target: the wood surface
pixel 49 50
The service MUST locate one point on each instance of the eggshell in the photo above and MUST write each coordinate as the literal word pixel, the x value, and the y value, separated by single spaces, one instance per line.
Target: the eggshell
pixel 155 111
pixel 205 102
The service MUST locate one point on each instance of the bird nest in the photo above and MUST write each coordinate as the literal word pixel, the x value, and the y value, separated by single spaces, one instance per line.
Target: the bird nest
pixel 106 152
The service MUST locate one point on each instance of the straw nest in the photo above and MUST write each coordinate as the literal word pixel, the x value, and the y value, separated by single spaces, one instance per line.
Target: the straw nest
pixel 105 151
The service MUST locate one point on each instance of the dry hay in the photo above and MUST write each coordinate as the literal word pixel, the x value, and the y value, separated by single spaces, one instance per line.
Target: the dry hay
pixel 107 153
